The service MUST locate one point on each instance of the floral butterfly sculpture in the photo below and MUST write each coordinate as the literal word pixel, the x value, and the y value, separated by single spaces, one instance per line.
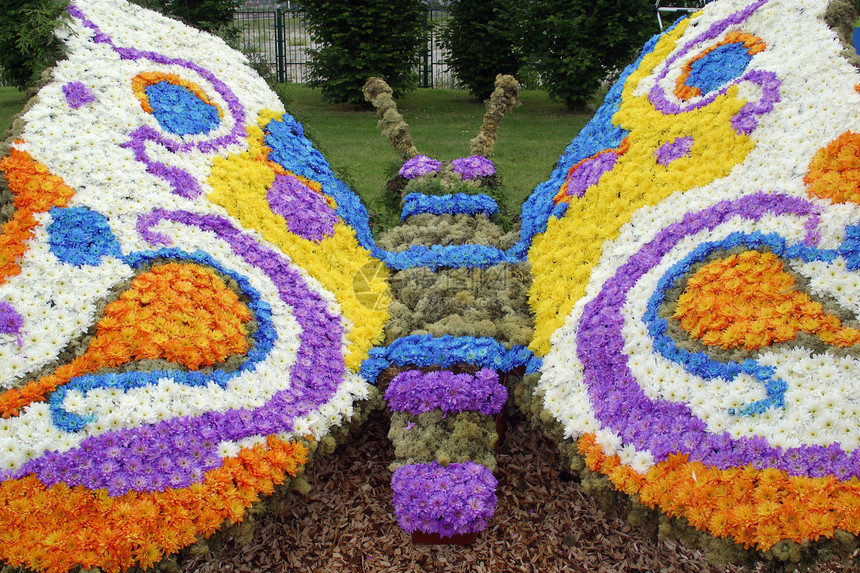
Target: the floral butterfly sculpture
pixel 192 304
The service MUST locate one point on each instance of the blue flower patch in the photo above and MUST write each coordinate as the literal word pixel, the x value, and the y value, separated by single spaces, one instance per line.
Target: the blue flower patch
pixel 719 66
pixel 179 111
pixel 80 236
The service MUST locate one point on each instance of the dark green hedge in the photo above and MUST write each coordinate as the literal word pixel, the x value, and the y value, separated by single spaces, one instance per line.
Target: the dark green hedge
pixel 27 43
pixel 481 36
pixel 575 44
pixel 362 39
pixel 28 46
pixel 208 15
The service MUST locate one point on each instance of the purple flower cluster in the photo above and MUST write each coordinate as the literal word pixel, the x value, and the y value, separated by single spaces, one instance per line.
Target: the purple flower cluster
pixel 664 427
pixel 675 149
pixel 416 392
pixel 77 94
pixel 589 172
pixel 419 166
pixel 306 211
pixel 449 500
pixel 10 321
pixel 473 167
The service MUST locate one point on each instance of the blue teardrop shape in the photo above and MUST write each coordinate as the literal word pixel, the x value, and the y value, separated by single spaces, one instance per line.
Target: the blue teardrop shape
pixel 718 67
pixel 179 111
pixel 80 236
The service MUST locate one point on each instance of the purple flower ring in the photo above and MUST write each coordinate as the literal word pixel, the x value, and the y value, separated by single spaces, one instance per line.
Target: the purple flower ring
pixel 712 62
pixel 416 392
pixel 473 167
pixel 181 180
pixel 419 166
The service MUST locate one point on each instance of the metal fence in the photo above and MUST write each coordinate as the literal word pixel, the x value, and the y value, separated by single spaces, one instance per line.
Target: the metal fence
pixel 278 39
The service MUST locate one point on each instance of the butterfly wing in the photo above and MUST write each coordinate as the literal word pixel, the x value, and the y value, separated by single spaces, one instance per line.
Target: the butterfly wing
pixel 185 293
pixel 694 269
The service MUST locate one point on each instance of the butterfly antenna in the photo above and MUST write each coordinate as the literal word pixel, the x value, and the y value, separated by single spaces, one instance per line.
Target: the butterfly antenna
pixel 503 98
pixel 391 123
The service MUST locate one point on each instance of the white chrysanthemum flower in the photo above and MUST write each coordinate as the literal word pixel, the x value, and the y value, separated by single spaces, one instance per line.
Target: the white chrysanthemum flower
pixel 609 441
pixel 228 449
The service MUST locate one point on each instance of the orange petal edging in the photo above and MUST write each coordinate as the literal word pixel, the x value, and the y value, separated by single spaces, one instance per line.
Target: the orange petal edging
pixel 756 508
pixel 35 190
pixel 53 529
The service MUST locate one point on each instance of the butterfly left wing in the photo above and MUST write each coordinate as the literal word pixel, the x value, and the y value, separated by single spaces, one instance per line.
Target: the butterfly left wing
pixel 179 300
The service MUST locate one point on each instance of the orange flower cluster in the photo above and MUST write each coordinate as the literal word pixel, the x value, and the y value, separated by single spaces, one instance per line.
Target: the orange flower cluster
pixel 749 301
pixel 753 44
pixel 834 172
pixel 35 190
pixel 54 529
pixel 180 312
pixel 757 508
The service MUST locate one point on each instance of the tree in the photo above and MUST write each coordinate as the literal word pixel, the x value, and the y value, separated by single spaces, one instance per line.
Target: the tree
pixel 27 42
pixel 575 44
pixel 481 38
pixel 362 39
pixel 28 46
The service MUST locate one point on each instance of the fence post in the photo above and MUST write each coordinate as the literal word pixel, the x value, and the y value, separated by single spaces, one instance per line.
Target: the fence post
pixel 427 79
pixel 280 46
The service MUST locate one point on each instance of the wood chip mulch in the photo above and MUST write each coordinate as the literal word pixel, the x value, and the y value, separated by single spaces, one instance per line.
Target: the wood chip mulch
pixel 544 522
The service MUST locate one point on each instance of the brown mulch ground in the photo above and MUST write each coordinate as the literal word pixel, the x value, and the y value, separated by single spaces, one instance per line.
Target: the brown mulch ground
pixel 542 523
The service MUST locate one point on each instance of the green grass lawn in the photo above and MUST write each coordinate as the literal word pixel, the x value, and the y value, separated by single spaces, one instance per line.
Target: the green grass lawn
pixel 530 141
pixel 11 102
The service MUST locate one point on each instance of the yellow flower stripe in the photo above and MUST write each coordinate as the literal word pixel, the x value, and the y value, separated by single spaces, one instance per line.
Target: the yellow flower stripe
pixel 562 258
pixel 240 184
